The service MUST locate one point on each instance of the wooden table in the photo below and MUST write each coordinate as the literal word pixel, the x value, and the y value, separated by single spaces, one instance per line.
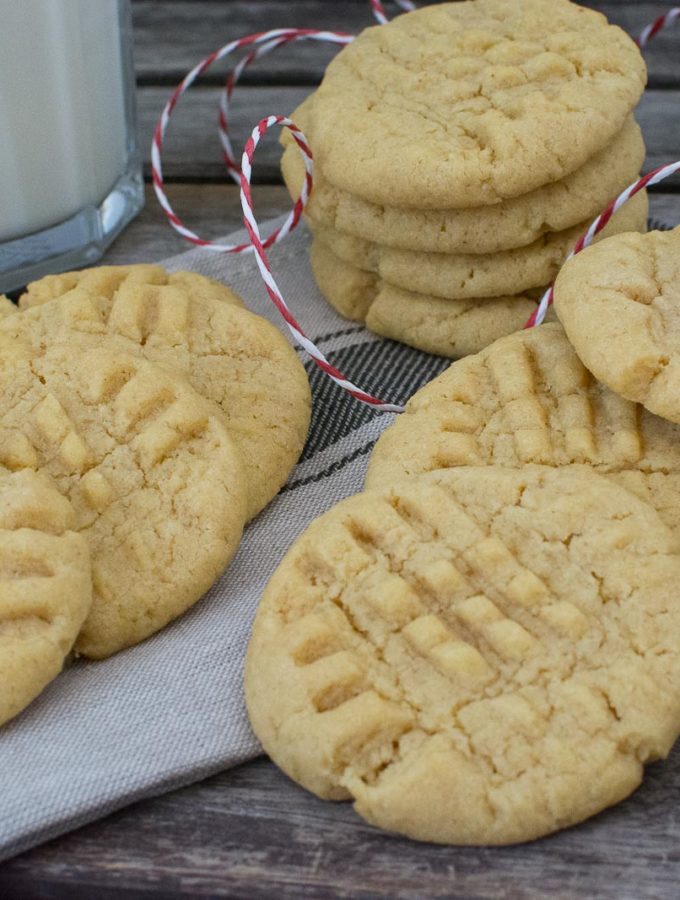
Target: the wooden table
pixel 250 832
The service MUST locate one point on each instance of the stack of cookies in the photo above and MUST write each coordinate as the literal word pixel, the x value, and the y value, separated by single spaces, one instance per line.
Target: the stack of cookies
pixel 459 152
pixel 144 419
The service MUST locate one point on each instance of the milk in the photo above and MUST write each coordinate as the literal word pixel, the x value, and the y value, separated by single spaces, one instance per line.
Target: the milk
pixel 63 129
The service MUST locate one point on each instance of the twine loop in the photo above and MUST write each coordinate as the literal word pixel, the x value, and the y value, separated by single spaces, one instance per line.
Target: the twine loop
pixel 265 269
pixel 262 43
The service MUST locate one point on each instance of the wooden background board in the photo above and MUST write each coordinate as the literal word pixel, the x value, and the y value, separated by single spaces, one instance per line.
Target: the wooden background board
pixel 171 36
pixel 192 149
pixel 250 832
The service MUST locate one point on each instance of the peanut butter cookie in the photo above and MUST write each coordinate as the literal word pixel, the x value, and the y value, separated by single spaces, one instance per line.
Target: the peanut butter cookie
pixel 619 303
pixel 476 656
pixel 45 586
pixel 468 276
pixel 149 466
pixel 528 398
pixel 447 327
pixel 6 307
pixel 485 229
pixel 227 353
pixel 106 280
pixel 472 103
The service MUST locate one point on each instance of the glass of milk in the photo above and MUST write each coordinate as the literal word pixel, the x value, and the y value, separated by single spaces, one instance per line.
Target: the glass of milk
pixel 70 171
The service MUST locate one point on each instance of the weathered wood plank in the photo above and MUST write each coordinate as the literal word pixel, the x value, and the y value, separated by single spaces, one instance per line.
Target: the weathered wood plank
pixel 252 833
pixel 193 150
pixel 665 208
pixel 659 117
pixel 214 210
pixel 211 209
pixel 171 36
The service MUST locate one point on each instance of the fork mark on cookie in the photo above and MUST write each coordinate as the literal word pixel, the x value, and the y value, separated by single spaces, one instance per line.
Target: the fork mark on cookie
pixel 60 435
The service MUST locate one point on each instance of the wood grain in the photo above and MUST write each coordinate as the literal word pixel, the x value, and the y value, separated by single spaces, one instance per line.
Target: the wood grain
pixel 252 833
pixel 193 151
pixel 665 208
pixel 215 210
pixel 171 36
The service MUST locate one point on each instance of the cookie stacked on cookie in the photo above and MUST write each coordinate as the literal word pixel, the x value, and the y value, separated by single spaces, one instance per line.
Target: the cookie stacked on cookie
pixel 144 419
pixel 459 152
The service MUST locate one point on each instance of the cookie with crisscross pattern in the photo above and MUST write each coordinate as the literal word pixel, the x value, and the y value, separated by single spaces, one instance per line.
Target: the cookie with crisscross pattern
pixel 45 586
pixel 475 656
pixel 151 471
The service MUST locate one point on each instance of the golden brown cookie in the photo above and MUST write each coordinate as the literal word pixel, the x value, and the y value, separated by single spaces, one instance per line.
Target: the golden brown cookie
pixel 486 229
pixel 619 303
pixel 227 353
pixel 45 586
pixel 467 104
pixel 467 276
pixel 525 399
pixel 151 471
pixel 447 327
pixel 475 656
pixel 106 280
pixel 6 307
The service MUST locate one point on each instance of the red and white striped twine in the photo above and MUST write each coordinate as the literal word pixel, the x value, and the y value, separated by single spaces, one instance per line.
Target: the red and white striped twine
pixel 658 25
pixel 292 35
pixel 586 239
pixel 267 40
pixel 276 40
pixel 265 269
pixel 379 10
pixel 262 43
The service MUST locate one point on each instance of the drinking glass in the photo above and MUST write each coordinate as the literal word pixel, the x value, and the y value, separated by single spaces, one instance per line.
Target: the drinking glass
pixel 70 170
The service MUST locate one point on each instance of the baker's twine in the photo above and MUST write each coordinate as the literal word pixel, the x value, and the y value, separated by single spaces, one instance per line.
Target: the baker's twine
pixel 277 39
pixel 379 11
pixel 268 40
pixel 262 43
pixel 586 239
pixel 657 25
pixel 265 269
